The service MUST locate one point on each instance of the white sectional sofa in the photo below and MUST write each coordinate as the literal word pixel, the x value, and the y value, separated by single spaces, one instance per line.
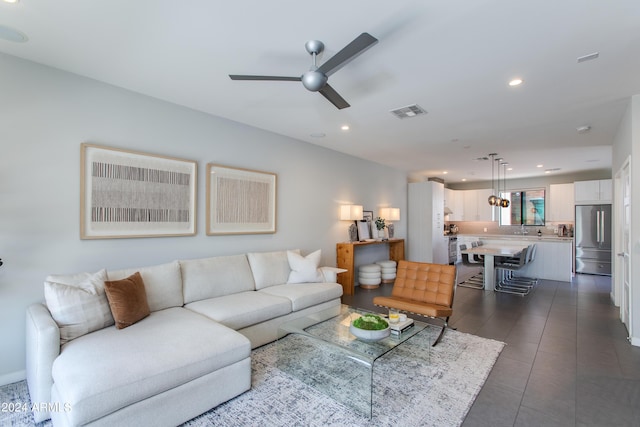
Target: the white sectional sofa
pixel 191 353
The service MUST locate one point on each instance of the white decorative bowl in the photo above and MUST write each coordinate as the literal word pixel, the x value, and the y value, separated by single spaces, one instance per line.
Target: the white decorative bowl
pixel 370 336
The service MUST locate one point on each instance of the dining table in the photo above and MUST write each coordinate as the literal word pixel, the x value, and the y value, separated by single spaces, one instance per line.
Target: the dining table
pixel 489 253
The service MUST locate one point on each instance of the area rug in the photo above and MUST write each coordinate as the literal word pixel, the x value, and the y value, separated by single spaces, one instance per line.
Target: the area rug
pixel 408 390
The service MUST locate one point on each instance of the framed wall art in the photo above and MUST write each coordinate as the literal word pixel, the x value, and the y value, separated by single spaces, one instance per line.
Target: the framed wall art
pixel 364 232
pixel 240 201
pixel 128 194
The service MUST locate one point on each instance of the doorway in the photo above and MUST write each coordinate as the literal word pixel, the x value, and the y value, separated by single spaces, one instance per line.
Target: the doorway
pixel 622 286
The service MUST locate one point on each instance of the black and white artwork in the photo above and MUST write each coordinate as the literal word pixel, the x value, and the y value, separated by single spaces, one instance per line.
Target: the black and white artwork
pixel 131 194
pixel 240 201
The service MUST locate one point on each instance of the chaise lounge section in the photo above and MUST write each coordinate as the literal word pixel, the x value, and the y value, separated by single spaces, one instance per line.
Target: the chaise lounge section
pixel 188 355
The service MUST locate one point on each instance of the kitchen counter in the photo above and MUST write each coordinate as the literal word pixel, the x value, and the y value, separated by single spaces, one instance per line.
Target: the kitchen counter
pixel 554 255
pixel 519 237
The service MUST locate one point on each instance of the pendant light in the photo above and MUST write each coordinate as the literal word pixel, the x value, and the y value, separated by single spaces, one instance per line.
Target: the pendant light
pixel 499 197
pixel 505 202
pixel 493 199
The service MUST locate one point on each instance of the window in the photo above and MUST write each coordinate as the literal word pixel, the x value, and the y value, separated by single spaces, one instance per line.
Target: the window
pixel 526 208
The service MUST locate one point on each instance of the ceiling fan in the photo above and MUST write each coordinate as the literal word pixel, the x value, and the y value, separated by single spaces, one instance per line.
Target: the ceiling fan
pixel 316 78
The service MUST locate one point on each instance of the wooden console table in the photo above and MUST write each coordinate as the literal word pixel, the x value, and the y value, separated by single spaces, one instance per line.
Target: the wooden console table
pixel 345 254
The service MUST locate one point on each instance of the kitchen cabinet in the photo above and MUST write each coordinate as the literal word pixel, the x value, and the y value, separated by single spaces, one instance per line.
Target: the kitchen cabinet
pixel 561 203
pixel 593 192
pixel 425 225
pixel 476 207
pixel 453 199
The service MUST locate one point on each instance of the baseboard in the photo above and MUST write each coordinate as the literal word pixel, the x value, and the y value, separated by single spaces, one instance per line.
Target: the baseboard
pixel 635 341
pixel 13 377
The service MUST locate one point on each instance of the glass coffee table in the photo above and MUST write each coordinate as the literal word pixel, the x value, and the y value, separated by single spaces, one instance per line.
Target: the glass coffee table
pixel 326 356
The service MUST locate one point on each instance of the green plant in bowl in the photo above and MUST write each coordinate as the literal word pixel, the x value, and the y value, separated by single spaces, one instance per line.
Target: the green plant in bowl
pixel 370 328
pixel 370 322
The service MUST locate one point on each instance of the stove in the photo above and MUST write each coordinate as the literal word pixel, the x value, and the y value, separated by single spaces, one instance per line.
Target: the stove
pixel 453 249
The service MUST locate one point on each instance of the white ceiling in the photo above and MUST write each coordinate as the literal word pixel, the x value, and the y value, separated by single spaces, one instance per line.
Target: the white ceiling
pixel 453 58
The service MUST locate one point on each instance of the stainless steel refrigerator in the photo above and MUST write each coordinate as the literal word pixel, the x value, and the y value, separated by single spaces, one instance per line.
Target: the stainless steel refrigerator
pixel 593 239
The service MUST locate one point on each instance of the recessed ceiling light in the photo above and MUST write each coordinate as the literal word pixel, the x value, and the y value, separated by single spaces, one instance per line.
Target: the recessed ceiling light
pixel 345 127
pixel 12 35
pixel 445 172
pixel 539 166
pixel 583 129
pixel 464 179
pixel 11 1
pixel 516 82
pixel 509 169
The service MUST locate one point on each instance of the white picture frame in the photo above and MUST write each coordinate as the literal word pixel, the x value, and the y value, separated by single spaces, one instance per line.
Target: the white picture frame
pixel 364 232
pixel 129 194
pixel 240 201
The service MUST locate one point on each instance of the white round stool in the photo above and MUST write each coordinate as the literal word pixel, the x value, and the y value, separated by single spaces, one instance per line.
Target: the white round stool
pixel 388 271
pixel 369 276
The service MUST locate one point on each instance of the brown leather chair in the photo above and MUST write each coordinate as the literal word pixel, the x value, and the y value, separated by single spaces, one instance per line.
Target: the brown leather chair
pixel 424 289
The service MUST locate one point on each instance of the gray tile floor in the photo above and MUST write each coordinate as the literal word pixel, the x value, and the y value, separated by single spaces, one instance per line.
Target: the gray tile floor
pixel 567 361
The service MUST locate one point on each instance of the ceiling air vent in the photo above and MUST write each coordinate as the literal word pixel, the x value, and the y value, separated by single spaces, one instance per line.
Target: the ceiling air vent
pixel 408 111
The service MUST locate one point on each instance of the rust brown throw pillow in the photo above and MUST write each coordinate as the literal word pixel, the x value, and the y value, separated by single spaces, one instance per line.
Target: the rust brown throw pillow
pixel 127 300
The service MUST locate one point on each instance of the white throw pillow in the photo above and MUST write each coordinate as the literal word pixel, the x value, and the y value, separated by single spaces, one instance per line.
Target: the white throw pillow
pixel 78 303
pixel 304 269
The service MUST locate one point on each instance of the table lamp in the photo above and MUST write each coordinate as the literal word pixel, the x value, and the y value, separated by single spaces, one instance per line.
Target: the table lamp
pixel 390 214
pixel 351 213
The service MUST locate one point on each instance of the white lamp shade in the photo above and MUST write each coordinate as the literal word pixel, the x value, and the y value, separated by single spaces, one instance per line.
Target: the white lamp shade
pixel 351 212
pixel 390 214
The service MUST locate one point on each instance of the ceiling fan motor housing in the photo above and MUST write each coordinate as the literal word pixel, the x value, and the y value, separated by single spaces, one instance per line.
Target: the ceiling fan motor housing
pixel 314 80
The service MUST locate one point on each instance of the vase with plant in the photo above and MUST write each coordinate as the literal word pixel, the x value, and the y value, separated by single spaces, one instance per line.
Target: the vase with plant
pixel 380 226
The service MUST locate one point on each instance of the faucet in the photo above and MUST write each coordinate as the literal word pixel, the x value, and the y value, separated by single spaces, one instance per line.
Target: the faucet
pixel 523 231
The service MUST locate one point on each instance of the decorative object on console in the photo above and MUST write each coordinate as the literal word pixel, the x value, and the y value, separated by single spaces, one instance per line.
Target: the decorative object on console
pixel 351 213
pixel 131 194
pixel 390 214
pixel 364 232
pixel 380 226
pixel 240 201
pixel 368 217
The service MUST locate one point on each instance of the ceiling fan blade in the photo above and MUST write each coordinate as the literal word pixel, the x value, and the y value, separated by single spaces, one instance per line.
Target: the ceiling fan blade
pixel 360 44
pixel 333 97
pixel 275 78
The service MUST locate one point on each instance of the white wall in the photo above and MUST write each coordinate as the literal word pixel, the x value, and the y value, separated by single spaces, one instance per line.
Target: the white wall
pixel 44 116
pixel 625 144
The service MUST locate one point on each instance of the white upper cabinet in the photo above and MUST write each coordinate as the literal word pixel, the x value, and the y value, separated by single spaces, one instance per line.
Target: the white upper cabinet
pixel 476 206
pixel 596 191
pixel 453 201
pixel 561 203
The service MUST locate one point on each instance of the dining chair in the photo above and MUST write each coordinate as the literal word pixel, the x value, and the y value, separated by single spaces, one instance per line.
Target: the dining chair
pixel 477 280
pixel 504 269
pixel 523 280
